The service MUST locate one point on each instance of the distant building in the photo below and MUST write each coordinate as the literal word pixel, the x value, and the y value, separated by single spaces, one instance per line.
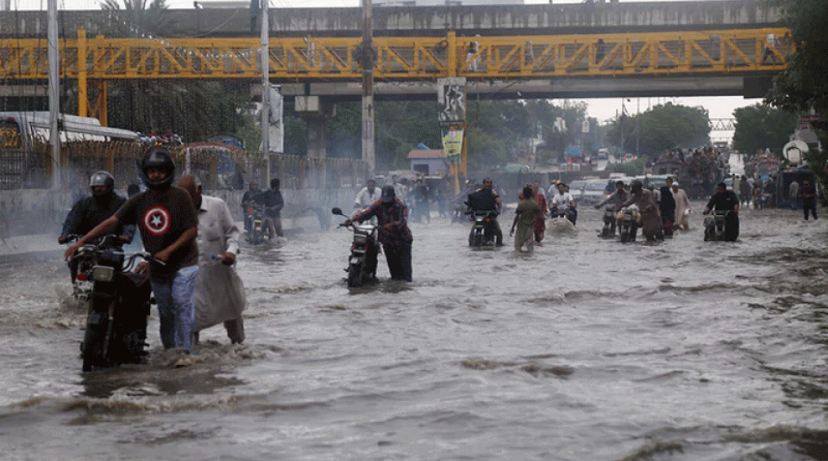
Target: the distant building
pixel 446 2
pixel 430 162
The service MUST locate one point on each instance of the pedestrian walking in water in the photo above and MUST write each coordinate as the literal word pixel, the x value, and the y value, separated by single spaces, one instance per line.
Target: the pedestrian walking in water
pixel 539 226
pixel 808 194
pixel 650 216
pixel 219 293
pixel 682 207
pixel 667 207
pixel 525 215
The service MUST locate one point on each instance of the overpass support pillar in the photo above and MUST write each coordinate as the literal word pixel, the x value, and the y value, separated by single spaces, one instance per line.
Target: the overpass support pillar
pixel 316 113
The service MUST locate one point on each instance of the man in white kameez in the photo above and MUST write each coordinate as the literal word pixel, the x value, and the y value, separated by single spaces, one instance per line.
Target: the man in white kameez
pixel 682 207
pixel 367 196
pixel 219 293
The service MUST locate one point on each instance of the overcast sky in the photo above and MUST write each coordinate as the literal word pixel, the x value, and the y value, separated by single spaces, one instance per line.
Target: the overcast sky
pixel 603 109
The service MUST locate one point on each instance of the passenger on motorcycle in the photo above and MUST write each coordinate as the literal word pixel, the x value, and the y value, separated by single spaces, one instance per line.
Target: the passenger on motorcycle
pixel 564 204
pixel 650 216
pixel 91 211
pixel 726 200
pixel 486 200
pixel 368 195
pixel 616 200
pixel 169 225
pixel 247 201
pixel 273 203
pixel 394 234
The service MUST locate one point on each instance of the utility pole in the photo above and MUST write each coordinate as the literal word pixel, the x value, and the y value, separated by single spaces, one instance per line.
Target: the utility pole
pixel 265 112
pixel 637 126
pixel 54 92
pixel 621 125
pixel 368 87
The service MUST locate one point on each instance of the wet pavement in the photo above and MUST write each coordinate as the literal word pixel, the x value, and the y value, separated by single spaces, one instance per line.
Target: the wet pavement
pixel 586 349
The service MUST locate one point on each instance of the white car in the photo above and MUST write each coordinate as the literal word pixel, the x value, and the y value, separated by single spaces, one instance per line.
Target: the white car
pixel 594 191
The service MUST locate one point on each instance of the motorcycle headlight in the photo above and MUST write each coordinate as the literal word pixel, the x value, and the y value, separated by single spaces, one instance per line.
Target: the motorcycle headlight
pixel 103 273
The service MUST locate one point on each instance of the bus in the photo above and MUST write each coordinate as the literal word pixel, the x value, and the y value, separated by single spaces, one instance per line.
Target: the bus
pixel 24 140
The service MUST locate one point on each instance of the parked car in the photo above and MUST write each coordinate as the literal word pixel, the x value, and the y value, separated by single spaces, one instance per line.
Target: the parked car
pixel 594 191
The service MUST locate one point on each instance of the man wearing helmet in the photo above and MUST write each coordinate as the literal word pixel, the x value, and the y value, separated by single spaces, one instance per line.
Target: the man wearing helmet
pixel 168 224
pixel 91 211
pixel 394 234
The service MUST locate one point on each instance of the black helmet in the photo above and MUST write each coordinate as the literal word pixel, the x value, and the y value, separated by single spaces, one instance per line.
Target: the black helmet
pixel 275 183
pixel 636 185
pixel 101 178
pixel 388 194
pixel 160 159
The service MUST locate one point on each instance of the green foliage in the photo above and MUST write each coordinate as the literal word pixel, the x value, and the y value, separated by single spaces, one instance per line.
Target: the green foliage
pixel 762 126
pixel 804 85
pixel 663 127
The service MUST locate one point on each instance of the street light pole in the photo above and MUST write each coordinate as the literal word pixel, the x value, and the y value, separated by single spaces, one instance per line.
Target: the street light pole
pixel 368 155
pixel 265 112
pixel 54 92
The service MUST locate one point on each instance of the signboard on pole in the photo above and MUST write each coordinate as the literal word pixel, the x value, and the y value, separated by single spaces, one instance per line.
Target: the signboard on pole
pixel 451 94
pixel 453 143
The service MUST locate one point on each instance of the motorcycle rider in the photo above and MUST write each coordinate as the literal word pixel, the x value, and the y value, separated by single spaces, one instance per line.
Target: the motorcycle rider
pixel 273 203
pixel 564 203
pixel 485 200
pixel 394 234
pixel 169 226
pixel 91 211
pixel 368 195
pixel 617 200
pixel 726 200
pixel 247 201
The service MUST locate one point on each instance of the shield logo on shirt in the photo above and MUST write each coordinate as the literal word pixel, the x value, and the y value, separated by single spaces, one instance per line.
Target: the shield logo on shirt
pixel 157 220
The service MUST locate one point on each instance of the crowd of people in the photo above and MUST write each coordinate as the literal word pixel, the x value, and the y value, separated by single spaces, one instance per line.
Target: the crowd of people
pixel 194 240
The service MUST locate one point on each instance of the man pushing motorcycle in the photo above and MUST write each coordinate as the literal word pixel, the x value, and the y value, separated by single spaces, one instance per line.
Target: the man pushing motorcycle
pixel 394 234
pixel 168 223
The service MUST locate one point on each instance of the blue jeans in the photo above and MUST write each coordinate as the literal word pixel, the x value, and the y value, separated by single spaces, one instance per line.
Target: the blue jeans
pixel 176 307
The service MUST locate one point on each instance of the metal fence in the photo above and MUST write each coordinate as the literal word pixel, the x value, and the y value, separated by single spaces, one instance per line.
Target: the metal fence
pixel 218 166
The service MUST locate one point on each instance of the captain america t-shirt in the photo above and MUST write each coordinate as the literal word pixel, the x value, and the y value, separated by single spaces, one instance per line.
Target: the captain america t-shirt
pixel 162 216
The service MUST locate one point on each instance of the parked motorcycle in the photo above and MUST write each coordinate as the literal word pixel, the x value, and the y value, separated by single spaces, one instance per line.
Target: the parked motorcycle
pixel 362 264
pixel 118 304
pixel 627 222
pixel 482 232
pixel 608 231
pixel 715 226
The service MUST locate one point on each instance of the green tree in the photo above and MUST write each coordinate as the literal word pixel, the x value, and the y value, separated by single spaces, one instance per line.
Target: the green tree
pixel 803 87
pixel 195 109
pixel 662 127
pixel 762 126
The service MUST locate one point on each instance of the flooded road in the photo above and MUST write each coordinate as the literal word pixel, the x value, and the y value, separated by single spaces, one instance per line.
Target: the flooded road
pixel 585 350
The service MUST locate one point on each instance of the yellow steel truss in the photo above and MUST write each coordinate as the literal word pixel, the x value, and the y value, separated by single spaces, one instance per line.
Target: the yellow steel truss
pixel 93 61
pixel 400 58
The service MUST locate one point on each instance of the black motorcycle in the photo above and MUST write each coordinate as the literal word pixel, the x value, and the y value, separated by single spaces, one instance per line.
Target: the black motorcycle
pixel 715 226
pixel 118 305
pixel 259 228
pixel 483 232
pixel 362 264
pixel 608 231
pixel 627 222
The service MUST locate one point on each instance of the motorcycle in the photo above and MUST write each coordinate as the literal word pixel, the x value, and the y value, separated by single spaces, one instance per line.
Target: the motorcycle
pixel 362 263
pixel 627 221
pixel 608 231
pixel 482 232
pixel 259 228
pixel 715 226
pixel 118 305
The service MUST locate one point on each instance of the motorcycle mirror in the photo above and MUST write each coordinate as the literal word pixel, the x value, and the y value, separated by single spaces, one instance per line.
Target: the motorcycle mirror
pixel 337 211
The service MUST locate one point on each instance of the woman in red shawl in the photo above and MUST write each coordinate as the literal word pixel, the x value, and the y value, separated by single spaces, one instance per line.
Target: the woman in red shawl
pixel 540 220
